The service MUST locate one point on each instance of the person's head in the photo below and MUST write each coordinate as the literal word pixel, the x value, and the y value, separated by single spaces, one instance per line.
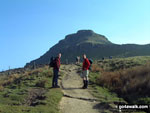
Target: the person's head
pixel 84 56
pixel 59 55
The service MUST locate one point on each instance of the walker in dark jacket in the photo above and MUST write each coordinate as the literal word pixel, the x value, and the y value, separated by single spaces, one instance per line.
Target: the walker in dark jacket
pixel 56 71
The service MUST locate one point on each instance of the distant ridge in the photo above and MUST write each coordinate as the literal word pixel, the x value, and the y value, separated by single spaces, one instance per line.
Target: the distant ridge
pixel 94 45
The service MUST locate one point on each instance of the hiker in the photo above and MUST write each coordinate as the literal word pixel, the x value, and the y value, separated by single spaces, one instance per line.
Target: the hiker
pixel 110 57
pixel 103 58
pixel 85 68
pixel 78 60
pixel 56 66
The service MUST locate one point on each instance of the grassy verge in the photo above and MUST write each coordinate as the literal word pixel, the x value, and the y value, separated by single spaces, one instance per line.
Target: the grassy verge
pixel 30 93
pixel 109 100
pixel 121 80
pixel 102 93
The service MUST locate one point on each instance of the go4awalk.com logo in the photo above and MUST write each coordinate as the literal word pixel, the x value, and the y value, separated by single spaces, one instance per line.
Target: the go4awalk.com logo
pixel 131 108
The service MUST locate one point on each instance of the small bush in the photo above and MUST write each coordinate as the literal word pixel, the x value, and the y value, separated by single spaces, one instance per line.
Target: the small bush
pixel 96 68
pixel 1 88
pixel 41 83
pixel 10 79
pixel 47 73
pixel 34 97
pixel 35 71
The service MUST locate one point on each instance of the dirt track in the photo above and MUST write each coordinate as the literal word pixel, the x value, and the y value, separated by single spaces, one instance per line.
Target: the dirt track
pixel 76 100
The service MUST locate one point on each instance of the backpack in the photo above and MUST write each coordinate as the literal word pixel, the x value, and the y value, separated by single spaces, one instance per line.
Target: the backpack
pixel 52 62
pixel 91 62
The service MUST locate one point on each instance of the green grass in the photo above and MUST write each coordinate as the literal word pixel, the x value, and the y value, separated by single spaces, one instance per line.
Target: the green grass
pixel 122 63
pixel 108 100
pixel 105 95
pixel 102 93
pixel 14 96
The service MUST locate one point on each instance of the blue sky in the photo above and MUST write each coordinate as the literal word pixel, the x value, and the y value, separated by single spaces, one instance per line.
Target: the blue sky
pixel 28 28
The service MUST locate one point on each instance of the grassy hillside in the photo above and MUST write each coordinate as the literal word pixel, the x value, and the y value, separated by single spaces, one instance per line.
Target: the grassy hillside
pixel 94 45
pixel 29 92
pixel 113 81
pixel 122 63
pixel 128 78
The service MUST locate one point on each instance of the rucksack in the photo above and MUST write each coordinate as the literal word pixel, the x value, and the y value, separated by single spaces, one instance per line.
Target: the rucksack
pixel 91 62
pixel 52 62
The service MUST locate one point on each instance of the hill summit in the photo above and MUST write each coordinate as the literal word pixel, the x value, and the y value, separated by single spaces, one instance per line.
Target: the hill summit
pixel 94 45
pixel 85 36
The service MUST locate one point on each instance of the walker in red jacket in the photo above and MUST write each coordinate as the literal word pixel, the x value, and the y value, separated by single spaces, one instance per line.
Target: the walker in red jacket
pixel 56 71
pixel 85 68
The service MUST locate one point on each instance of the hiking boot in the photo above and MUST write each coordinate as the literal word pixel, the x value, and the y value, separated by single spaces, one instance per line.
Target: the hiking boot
pixel 53 86
pixel 57 86
pixel 84 86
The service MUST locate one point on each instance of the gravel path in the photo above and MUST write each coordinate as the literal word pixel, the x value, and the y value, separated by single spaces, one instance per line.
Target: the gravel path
pixel 76 100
